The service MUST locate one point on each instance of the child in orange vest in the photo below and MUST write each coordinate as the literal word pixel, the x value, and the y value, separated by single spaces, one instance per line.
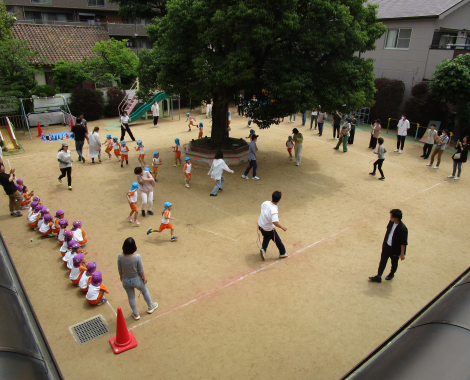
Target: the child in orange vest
pixel 165 224
pixel 46 227
pixel 187 170
pixel 86 276
pixel 58 216
pixel 156 162
pixel 78 233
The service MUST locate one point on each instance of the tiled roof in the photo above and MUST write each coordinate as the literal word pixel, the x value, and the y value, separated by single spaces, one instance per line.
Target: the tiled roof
pixel 413 8
pixel 54 42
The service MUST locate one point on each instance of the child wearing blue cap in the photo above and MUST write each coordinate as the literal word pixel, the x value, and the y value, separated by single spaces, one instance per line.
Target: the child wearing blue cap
pixel 177 150
pixel 252 133
pixel 132 199
pixel 117 148
pixel 190 119
pixel 187 170
pixel 156 162
pixel 108 143
pixel 140 149
pixel 290 145
pixel 165 224
pixel 124 153
pixel 201 130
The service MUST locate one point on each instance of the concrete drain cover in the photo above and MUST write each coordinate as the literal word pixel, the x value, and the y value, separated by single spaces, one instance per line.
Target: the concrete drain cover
pixel 90 329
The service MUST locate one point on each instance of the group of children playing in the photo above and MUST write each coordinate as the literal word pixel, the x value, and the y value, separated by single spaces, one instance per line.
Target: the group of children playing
pixel 82 274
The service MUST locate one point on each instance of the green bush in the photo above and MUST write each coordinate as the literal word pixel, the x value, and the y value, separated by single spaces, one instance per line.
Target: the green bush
pixel 115 96
pixel 87 101
pixel 387 99
pixel 43 90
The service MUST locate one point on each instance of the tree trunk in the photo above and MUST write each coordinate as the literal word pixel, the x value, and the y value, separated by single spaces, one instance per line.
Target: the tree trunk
pixel 219 120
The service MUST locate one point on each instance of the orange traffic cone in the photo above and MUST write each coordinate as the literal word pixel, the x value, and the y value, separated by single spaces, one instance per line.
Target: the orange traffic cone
pixel 71 124
pixel 124 339
pixel 39 130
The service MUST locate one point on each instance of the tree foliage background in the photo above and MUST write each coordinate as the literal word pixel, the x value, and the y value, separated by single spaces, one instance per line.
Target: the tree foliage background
pixel 387 99
pixel 301 53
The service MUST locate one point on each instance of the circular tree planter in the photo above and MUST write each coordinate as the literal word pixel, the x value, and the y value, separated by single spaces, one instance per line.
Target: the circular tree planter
pixel 202 151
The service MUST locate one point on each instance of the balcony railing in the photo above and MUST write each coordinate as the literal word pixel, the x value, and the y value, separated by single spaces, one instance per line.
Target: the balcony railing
pixel 120 29
pixel 451 47
pixel 55 22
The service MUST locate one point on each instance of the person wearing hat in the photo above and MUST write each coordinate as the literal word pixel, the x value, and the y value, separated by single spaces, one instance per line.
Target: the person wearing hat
pixel 298 141
pixel 177 150
pixel 65 164
pixel 132 199
pixel 252 158
pixel 187 170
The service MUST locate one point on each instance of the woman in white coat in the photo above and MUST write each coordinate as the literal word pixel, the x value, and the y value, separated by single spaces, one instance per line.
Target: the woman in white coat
pixel 94 145
pixel 216 170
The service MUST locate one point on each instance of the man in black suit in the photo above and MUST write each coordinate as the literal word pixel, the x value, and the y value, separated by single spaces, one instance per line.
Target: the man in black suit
pixel 394 245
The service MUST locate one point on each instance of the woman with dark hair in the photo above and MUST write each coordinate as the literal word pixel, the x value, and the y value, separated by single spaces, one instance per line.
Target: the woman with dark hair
pixel 125 126
pixel 216 170
pixel 94 145
pixel 460 156
pixel 374 134
pixel 131 273
pixel 441 142
pixel 65 164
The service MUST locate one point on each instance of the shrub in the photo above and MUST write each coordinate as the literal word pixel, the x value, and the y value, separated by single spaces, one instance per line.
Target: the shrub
pixel 43 90
pixel 423 106
pixel 89 102
pixel 387 99
pixel 115 96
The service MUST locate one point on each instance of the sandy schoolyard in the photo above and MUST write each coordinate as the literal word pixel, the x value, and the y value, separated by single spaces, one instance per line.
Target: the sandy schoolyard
pixel 223 313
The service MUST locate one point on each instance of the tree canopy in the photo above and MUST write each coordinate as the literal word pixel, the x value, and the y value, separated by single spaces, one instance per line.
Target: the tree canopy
pixel 6 22
pixel 68 75
pixel 293 54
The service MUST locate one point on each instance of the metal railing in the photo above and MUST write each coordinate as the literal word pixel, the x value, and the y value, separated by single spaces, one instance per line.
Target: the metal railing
pixel 451 47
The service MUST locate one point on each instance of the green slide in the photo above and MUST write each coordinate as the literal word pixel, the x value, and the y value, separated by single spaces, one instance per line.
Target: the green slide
pixel 137 114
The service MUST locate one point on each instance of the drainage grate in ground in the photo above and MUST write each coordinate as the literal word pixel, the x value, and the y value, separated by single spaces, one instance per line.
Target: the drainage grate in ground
pixel 90 329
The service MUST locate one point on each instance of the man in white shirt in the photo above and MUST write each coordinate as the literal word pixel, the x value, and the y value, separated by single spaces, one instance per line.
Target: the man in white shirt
pixel 268 219
pixel 394 245
pixel 402 131
pixel 156 113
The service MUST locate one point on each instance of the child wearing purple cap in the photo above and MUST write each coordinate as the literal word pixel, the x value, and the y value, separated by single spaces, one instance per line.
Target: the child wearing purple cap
pixel 78 268
pixel 96 290
pixel 63 224
pixel 76 249
pixel 58 216
pixel 31 208
pixel 68 237
pixel 78 233
pixel 34 217
pixel 44 212
pixel 86 276
pixel 46 226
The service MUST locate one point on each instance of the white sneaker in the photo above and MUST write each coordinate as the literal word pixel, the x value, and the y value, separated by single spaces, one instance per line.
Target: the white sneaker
pixel 451 176
pixel 428 164
pixel 262 253
pixel 396 150
pixel 255 178
pixel 152 308
pixel 284 255
pixel 400 151
pixel 334 138
pixel 436 167
pixel 297 164
pixel 135 316
pixel 457 178
pixel 244 176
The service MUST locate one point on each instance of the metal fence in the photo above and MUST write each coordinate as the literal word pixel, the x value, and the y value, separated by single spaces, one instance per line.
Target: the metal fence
pixel 17 121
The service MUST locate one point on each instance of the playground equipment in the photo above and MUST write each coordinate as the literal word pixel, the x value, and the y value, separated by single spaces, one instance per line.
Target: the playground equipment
pixel 143 109
pixel 8 136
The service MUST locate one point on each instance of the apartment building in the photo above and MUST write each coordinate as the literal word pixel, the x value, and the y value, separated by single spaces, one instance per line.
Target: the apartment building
pixel 82 13
pixel 420 35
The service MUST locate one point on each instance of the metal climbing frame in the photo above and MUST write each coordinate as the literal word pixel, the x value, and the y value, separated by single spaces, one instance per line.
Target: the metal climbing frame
pixel 129 101
pixel 363 114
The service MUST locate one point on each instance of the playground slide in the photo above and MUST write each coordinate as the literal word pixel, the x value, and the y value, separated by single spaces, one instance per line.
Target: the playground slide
pixel 136 115
pixel 8 136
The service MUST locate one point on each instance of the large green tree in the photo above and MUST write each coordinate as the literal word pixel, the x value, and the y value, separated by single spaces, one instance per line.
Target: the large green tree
pixel 6 22
pixel 68 75
pixel 301 53
pixel 141 8
pixel 451 83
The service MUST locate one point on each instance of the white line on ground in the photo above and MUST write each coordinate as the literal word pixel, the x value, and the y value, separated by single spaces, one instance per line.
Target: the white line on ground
pixel 114 311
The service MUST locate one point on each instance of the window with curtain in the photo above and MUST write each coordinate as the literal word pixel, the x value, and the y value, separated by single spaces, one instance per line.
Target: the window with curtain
pixel 398 39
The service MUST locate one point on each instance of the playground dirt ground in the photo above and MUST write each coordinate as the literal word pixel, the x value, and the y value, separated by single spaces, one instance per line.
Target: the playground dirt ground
pixel 223 313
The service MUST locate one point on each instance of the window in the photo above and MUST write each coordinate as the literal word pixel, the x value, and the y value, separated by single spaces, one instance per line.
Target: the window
pixel 398 39
pixel 96 3
pixel 41 1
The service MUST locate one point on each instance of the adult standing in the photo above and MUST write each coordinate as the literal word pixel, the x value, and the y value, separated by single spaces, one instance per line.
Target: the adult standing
pixel 252 149
pixel 209 109
pixel 7 181
pixel 156 113
pixel 65 164
pixel 344 136
pixel 240 106
pixel 298 141
pixel 460 156
pixel 431 136
pixel 402 131
pixel 321 121
pixel 336 124
pixel 125 126
pixel 314 117
pixel 216 171
pixel 374 134
pixel 94 145
pixel 132 275
pixel 147 185
pixel 352 132
pixel 393 246
pixel 441 142
pixel 83 121
pixel 268 219
pixel 80 134
pixel 304 118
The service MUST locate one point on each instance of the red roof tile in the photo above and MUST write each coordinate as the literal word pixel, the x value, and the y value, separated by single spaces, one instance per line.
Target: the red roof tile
pixel 54 42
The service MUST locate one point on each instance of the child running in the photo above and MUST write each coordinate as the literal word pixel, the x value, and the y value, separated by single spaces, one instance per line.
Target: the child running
pixel 381 152
pixel 156 162
pixel 201 130
pixel 96 290
pixel 165 225
pixel 86 276
pixel 109 145
pixel 290 145
pixel 187 170
pixel 140 149
pixel 117 149
pixel 132 198
pixel 190 119
pixel 177 150
pixel 124 153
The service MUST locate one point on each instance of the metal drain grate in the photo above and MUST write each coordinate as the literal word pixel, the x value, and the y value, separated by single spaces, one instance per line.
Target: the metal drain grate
pixel 91 329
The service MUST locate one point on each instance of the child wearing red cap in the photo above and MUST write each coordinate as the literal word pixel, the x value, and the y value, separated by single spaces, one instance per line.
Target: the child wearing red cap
pixel 96 290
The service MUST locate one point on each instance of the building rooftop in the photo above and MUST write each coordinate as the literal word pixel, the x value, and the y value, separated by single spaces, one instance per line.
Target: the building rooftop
pixel 389 9
pixel 54 42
